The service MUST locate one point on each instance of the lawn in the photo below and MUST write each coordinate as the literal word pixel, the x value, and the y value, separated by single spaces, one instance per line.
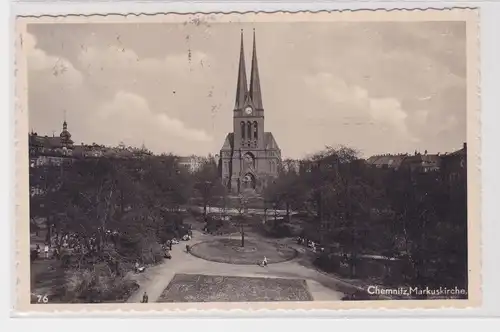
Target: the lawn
pixel 230 251
pixel 47 278
pixel 205 288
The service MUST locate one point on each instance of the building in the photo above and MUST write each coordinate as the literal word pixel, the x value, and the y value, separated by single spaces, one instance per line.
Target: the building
pixel 291 166
pixel 422 162
pixel 417 162
pixel 249 156
pixel 454 165
pixel 388 161
pixel 191 163
pixel 56 150
pixel 50 150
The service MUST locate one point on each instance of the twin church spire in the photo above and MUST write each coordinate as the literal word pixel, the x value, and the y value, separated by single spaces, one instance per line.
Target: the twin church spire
pixel 244 95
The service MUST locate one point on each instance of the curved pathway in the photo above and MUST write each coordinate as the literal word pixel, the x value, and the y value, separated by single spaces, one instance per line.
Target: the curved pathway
pixel 155 279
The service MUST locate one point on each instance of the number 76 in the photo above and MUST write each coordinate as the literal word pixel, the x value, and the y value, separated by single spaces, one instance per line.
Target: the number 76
pixel 42 299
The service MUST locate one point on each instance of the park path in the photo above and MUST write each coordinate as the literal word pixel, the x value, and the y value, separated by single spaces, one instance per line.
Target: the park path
pixel 155 279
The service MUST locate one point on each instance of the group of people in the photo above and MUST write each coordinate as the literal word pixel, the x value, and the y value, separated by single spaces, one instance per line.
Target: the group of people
pixel 37 252
pixel 315 247
pixel 72 242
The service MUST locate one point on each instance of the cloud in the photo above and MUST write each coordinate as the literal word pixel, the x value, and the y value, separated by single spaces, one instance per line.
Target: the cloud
pixel 389 111
pixel 379 87
pixel 115 58
pixel 353 101
pixel 60 69
pixel 128 118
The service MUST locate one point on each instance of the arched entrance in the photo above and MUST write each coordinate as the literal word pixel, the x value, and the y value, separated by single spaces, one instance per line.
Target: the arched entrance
pixel 248 181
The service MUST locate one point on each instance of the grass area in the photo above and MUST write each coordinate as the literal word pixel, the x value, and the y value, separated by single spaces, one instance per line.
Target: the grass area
pixel 49 282
pixel 47 278
pixel 230 251
pixel 204 288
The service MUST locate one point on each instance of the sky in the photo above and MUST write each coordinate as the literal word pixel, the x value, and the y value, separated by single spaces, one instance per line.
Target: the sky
pixel 378 87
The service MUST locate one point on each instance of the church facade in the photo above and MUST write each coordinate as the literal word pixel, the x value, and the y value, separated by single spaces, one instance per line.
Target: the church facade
pixel 250 156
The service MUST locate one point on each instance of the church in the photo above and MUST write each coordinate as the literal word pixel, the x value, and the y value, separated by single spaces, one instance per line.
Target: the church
pixel 250 156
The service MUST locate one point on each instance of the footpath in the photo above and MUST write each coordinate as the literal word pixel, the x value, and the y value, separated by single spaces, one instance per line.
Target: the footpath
pixel 154 280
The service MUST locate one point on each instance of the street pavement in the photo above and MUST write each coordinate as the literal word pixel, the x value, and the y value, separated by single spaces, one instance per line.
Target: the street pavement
pixel 155 279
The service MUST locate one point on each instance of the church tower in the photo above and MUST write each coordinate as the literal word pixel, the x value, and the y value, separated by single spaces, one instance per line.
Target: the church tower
pixel 249 155
pixel 248 115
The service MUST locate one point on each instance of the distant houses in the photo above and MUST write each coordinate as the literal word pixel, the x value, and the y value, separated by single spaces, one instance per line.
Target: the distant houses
pixel 59 150
pixel 387 161
pixel 452 164
pixel 191 163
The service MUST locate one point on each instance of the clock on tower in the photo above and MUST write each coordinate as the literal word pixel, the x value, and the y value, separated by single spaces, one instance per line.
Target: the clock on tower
pixel 248 110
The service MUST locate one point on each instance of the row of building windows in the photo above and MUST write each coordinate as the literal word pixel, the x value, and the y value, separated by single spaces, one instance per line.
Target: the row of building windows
pixel 249 144
pixel 247 132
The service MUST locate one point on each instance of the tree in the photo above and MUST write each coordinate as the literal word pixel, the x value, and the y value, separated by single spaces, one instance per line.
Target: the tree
pixel 432 220
pixel 207 183
pixel 321 177
pixel 241 217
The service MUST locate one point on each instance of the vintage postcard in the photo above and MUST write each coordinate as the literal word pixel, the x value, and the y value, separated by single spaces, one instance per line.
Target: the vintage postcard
pixel 301 160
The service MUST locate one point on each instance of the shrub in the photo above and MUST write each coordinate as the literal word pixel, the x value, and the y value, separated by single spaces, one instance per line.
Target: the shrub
pixel 328 262
pixel 97 285
pixel 277 229
pixel 152 253
pixel 195 212
pixel 144 249
pixel 65 258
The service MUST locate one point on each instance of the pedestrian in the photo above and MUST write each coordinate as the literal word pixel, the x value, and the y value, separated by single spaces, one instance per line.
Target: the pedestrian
pixel 38 250
pixel 46 250
pixel 264 261
pixel 137 266
pixel 145 298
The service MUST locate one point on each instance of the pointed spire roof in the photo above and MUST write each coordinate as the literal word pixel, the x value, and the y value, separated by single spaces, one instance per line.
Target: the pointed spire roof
pixel 241 88
pixel 255 92
pixel 65 124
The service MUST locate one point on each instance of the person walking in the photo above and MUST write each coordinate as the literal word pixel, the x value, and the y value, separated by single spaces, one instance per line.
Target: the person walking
pixel 264 262
pixel 46 250
pixel 144 298
pixel 137 266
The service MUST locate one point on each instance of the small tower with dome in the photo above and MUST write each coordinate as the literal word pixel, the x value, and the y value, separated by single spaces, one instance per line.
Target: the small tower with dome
pixel 66 142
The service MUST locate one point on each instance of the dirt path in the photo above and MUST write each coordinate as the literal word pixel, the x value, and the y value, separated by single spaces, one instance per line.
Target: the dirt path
pixel 156 279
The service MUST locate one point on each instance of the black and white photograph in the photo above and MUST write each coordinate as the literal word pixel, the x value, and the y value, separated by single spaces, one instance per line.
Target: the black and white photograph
pixel 281 158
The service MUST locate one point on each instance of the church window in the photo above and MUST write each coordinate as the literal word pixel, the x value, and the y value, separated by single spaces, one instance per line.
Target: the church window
pixel 249 159
pixel 249 130
pixel 255 130
pixel 242 130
